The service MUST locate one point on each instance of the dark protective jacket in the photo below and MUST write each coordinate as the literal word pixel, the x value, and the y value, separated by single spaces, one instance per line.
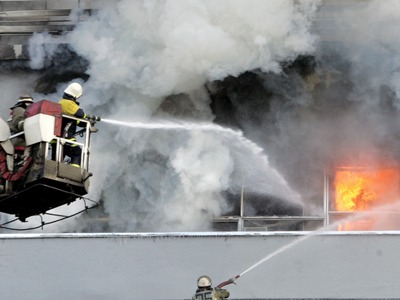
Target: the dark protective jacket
pixel 210 294
pixel 71 107
pixel 17 115
pixel 16 123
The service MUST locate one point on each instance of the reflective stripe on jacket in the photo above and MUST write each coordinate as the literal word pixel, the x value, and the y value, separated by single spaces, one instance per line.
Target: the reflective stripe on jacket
pixel 211 294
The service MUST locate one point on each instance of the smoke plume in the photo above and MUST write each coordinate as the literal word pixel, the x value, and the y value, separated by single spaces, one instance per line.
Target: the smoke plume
pixel 150 61
pixel 300 86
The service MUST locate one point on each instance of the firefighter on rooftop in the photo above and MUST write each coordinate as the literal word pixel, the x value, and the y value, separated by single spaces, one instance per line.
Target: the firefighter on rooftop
pixel 206 292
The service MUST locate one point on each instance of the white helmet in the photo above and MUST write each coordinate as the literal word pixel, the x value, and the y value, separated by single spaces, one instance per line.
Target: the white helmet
pixel 204 281
pixel 25 99
pixel 74 89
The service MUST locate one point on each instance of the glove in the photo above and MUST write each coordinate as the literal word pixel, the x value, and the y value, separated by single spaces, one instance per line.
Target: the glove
pixel 221 293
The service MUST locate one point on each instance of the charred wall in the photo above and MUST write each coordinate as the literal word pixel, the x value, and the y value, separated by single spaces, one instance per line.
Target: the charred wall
pixel 308 118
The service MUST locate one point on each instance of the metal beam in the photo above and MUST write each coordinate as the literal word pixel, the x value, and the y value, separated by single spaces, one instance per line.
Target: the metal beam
pixel 268 218
pixel 18 29
pixel 27 15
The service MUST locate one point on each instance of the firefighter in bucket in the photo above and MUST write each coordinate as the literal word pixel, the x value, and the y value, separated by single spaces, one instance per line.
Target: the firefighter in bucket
pixel 70 106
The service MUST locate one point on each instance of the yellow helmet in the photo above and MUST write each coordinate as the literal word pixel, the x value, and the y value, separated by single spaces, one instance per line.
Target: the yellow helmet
pixel 204 281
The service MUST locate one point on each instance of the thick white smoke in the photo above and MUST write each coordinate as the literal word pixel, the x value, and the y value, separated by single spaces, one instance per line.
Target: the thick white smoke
pixel 140 52
pixel 161 48
pixel 365 35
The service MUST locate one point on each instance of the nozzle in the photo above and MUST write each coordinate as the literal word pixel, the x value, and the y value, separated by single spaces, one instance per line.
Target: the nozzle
pixel 93 118
pixel 233 279
pixel 229 281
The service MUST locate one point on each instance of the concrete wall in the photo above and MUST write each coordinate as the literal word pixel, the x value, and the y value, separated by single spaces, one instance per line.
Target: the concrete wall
pixel 166 266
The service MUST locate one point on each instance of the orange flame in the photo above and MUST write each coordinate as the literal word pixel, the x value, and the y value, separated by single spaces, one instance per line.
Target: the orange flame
pixel 353 192
pixel 363 190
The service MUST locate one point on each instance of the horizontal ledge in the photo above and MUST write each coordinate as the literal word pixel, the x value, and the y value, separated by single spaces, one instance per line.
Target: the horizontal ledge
pixel 267 218
pixel 36 22
pixel 34 28
pixel 25 15
pixel 179 235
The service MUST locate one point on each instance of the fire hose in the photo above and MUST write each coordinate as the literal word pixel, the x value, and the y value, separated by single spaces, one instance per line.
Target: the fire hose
pixel 6 173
